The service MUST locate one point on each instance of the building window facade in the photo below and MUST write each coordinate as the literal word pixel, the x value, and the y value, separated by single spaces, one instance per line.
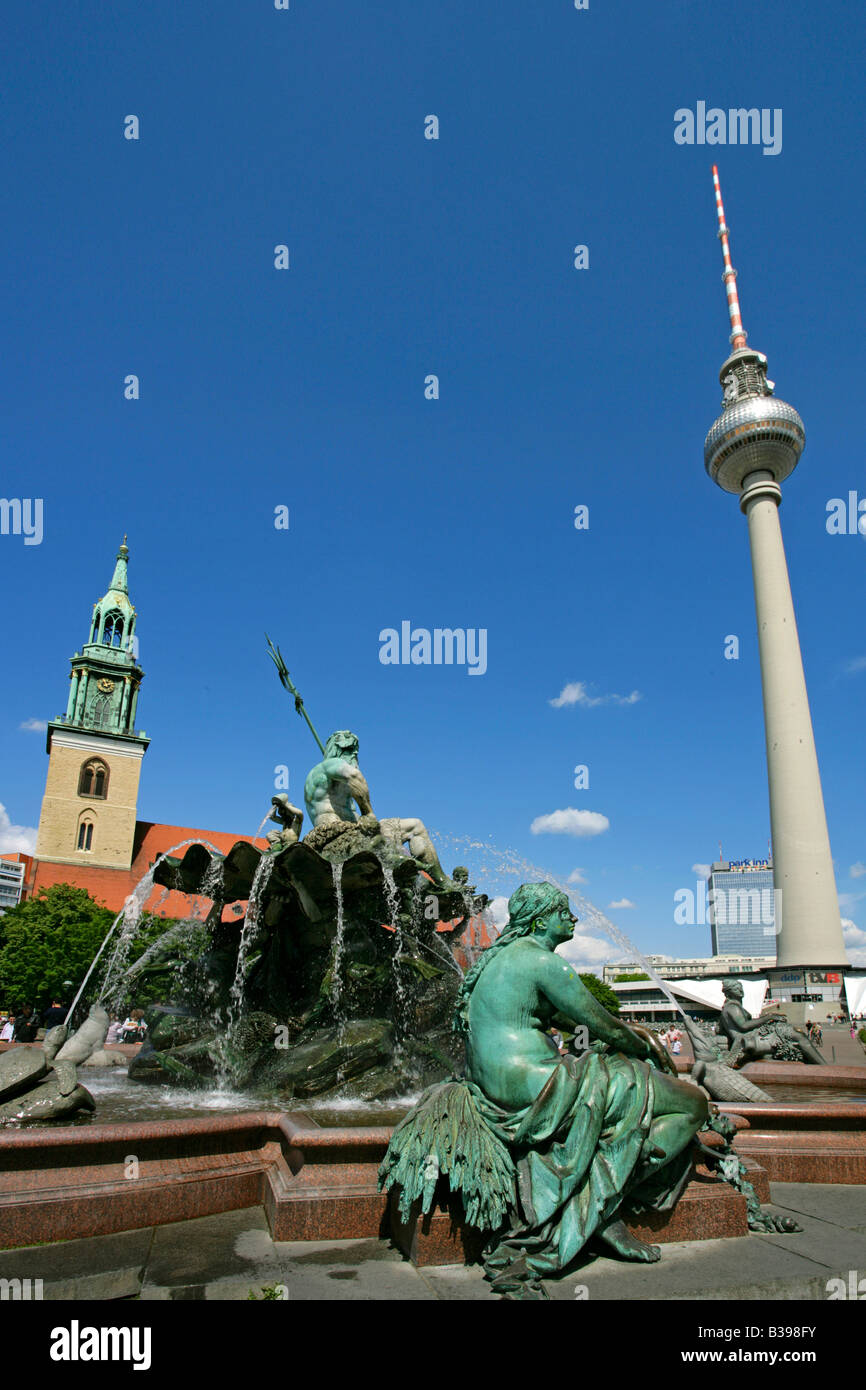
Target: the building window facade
pixel 85 835
pixel 93 781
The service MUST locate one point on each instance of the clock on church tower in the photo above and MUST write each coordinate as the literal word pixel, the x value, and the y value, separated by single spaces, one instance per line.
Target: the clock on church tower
pixel 94 749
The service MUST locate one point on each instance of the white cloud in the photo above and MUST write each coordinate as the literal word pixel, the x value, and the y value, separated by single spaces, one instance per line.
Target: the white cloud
pixel 702 870
pixel 576 693
pixel 857 870
pixel 497 910
pixel 570 822
pixel 858 664
pixel 621 902
pixel 576 876
pixel 855 942
pixel 586 952
pixel 34 726
pixel 849 899
pixel 15 839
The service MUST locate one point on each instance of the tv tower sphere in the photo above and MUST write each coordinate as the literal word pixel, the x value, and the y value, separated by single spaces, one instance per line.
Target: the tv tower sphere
pixel 755 430
pixel 752 447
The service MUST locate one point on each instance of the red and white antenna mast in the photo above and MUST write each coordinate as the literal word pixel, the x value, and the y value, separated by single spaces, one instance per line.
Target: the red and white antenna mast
pixel 738 332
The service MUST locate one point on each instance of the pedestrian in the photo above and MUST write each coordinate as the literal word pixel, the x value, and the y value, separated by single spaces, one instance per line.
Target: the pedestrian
pixel 25 1025
pixel 677 1045
pixel 53 1015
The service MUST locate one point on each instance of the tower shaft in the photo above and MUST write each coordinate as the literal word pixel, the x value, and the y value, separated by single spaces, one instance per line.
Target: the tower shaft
pixel 807 922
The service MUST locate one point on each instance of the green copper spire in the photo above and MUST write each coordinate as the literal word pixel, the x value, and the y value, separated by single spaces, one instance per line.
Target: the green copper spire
pixel 120 579
pixel 106 674
pixel 113 615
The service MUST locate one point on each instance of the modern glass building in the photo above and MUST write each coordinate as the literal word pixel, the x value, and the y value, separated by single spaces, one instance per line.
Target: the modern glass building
pixel 11 883
pixel 742 908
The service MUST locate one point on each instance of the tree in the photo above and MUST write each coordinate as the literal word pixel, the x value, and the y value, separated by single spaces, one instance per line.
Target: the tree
pixel 603 993
pixel 54 937
pixel 625 979
pixel 47 940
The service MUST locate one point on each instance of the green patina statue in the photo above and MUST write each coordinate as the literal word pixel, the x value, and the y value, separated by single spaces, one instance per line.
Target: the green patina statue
pixel 333 788
pixel 546 1151
pixel 770 1035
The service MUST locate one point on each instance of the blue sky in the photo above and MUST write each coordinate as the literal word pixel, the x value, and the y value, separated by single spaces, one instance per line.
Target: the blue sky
pixel 305 388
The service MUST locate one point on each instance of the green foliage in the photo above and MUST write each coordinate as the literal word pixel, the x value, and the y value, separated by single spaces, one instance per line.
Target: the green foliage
pixel 862 1036
pixel 48 939
pixel 602 992
pixel 270 1292
pixel 54 937
pixel 628 979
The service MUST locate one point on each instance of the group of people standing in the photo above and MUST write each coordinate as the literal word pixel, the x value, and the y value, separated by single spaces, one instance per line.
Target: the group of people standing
pixel 24 1024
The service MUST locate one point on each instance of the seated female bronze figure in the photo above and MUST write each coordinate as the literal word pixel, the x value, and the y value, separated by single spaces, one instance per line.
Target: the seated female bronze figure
pixel 550 1149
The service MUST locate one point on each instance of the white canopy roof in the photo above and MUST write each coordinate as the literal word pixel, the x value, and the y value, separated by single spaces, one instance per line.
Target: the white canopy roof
pixel 709 993
pixel 855 993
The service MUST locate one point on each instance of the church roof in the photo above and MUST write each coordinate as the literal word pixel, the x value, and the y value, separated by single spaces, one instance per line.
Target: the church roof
pixel 117 593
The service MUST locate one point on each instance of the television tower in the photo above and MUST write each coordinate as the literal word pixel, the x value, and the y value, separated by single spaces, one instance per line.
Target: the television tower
pixel 752 447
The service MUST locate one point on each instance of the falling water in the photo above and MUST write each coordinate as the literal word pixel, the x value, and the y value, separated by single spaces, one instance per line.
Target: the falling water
pixel 492 864
pixel 629 946
pixel 133 909
pixel 223 1049
pixel 173 935
pixel 212 885
pixel 337 963
pixel 393 897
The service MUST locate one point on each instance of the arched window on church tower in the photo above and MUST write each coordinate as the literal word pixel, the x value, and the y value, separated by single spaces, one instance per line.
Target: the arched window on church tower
pixel 99 707
pixel 85 835
pixel 112 634
pixel 93 780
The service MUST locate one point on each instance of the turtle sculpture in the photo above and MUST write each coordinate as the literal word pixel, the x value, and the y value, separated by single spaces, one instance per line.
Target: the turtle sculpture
pixel 41 1083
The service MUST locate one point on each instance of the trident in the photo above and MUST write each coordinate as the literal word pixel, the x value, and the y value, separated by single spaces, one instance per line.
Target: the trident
pixel 285 680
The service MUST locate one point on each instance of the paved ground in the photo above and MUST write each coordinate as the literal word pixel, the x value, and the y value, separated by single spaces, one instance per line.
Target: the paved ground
pixel 838 1046
pixel 232 1257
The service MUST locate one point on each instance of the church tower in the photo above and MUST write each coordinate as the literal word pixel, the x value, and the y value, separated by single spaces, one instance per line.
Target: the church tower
pixel 94 750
